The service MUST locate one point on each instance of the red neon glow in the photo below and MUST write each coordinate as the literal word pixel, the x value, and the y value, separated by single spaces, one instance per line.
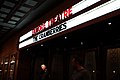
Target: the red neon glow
pixel 57 18
pixel 67 12
pixel 39 28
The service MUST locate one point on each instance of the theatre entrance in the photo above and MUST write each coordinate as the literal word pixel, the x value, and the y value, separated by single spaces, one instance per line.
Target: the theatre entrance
pixel 98 46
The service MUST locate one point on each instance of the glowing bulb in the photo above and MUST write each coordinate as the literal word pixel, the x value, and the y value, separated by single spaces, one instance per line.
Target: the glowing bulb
pixel 65 37
pixel 109 23
pixel 81 43
pixel 114 72
pixel 41 44
pixel 93 71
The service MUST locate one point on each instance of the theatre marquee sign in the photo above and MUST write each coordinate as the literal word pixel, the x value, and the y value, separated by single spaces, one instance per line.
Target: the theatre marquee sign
pixel 50 32
pixel 98 11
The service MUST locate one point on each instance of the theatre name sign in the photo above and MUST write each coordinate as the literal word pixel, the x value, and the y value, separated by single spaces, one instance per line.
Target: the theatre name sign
pixel 37 34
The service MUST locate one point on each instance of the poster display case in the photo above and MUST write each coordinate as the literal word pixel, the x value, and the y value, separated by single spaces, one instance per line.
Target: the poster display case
pixel 6 64
pixel 7 67
pixel 12 66
pixel 1 68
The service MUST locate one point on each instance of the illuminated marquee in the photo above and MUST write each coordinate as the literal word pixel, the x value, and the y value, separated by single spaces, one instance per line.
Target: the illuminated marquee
pixel 71 11
pixel 50 32
pixel 65 14
pixel 101 10
pixel 49 23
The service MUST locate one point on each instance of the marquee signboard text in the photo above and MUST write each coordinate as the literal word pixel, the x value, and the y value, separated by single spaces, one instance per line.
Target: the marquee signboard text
pixel 96 12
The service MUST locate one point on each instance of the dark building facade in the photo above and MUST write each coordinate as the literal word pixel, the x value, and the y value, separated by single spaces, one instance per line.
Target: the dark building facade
pixel 74 27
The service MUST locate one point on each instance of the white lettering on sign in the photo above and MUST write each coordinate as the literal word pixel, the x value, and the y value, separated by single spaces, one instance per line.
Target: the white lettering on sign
pixel 49 23
pixel 65 14
pixel 70 11
pixel 50 32
pixel 101 10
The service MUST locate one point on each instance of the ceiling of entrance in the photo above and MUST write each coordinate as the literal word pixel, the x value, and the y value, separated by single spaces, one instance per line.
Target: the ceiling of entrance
pixel 15 14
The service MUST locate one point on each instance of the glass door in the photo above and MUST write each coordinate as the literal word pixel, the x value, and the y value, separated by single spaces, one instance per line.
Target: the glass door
pixel 1 68
pixel 6 64
pixel 12 66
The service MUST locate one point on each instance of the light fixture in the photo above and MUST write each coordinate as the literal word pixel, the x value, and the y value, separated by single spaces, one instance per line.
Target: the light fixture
pixel 93 71
pixel 6 62
pixel 81 43
pixel 11 70
pixel 65 37
pixel 109 23
pixel 41 45
pixel 27 49
pixel 114 72
pixel 12 61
